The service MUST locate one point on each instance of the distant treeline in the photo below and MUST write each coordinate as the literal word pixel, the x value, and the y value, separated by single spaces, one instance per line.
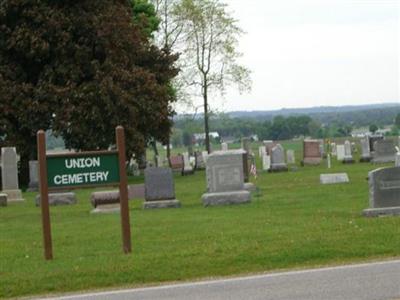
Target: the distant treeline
pixel 318 125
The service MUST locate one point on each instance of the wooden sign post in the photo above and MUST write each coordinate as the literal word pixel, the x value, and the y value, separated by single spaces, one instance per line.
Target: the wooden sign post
pixel 82 169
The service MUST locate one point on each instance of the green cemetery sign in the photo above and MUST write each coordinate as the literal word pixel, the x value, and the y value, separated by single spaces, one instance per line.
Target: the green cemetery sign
pixel 85 169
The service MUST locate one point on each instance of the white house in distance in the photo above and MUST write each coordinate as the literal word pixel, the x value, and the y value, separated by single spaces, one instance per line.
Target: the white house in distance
pixel 199 138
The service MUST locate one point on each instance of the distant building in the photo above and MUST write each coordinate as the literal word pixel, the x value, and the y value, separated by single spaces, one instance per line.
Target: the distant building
pixel 199 138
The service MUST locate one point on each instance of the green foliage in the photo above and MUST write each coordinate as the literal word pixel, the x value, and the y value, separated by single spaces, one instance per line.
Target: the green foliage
pixel 397 120
pixel 144 15
pixel 373 128
pixel 81 68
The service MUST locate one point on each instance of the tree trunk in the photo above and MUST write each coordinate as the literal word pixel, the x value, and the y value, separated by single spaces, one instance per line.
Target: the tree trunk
pixel 206 129
pixel 154 146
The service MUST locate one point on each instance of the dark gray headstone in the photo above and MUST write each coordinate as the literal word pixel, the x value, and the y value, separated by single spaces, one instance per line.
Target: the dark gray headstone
pixel 33 175
pixel 384 191
pixel 372 139
pixel 365 152
pixel 278 159
pixel 159 184
pixel 385 151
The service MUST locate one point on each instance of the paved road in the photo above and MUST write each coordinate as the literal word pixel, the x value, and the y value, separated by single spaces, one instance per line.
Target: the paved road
pixel 364 281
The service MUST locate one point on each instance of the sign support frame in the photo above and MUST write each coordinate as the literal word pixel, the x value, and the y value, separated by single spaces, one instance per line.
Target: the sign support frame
pixel 44 190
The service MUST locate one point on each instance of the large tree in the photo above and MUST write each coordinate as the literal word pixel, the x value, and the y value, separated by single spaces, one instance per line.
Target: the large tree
pixel 81 68
pixel 210 50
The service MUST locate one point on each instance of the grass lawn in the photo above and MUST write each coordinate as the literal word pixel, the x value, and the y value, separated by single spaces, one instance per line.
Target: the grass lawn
pixel 294 223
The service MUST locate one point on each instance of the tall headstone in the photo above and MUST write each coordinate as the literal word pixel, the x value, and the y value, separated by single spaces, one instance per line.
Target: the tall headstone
pixel 246 145
pixel 266 162
pixel 365 152
pixel 333 149
pixel 278 159
pixel 224 146
pixel 348 157
pixel 340 152
pixel 200 163
pixel 384 192
pixel 9 174
pixel 311 152
pixel 261 151
pixel 33 176
pixel 225 180
pixel 385 151
pixel 187 167
pixel 397 161
pixel 328 161
pixel 290 158
pixel 268 146
pixel 159 188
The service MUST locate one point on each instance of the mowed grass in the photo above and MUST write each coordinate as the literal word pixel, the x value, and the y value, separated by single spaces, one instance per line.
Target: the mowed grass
pixel 294 222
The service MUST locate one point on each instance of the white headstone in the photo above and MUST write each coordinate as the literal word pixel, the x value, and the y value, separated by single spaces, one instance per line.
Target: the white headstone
pixel 266 160
pixel 328 161
pixel 290 158
pixel 224 147
pixel 9 174
pixel 340 152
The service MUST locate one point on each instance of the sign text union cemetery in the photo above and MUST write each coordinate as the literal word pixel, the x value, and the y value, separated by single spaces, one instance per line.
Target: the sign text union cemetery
pixel 82 169
pixel 85 169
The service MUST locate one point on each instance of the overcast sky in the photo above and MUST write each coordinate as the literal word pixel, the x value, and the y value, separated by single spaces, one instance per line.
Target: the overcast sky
pixel 306 53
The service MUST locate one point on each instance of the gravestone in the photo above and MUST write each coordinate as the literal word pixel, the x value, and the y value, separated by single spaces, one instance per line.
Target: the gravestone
pixel 268 146
pixel 33 176
pixel 58 199
pixel 397 161
pixel 225 179
pixel 246 144
pixel 290 158
pixel 187 167
pixel 365 153
pixel 348 158
pixel 311 152
pixel 384 192
pixel 328 161
pixel 159 189
pixel 176 162
pixel 3 199
pixel 333 149
pixel 266 162
pixel 340 152
pixel 261 151
pixel 105 202
pixel 385 151
pixel 200 163
pixel 9 174
pixel 224 147
pixel 278 159
pixel 372 139
pixel 333 178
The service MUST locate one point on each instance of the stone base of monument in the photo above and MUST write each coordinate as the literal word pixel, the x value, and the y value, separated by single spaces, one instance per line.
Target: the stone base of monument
pixel 226 198
pixel 33 187
pixel 188 171
pixel 311 161
pixel 383 211
pixel 59 199
pixel 278 168
pixel 348 160
pixel 383 159
pixel 3 199
pixel 248 186
pixel 106 209
pixel 365 159
pixel 13 195
pixel 171 203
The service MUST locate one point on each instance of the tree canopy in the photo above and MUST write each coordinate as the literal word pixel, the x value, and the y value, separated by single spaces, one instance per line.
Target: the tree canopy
pixel 81 68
